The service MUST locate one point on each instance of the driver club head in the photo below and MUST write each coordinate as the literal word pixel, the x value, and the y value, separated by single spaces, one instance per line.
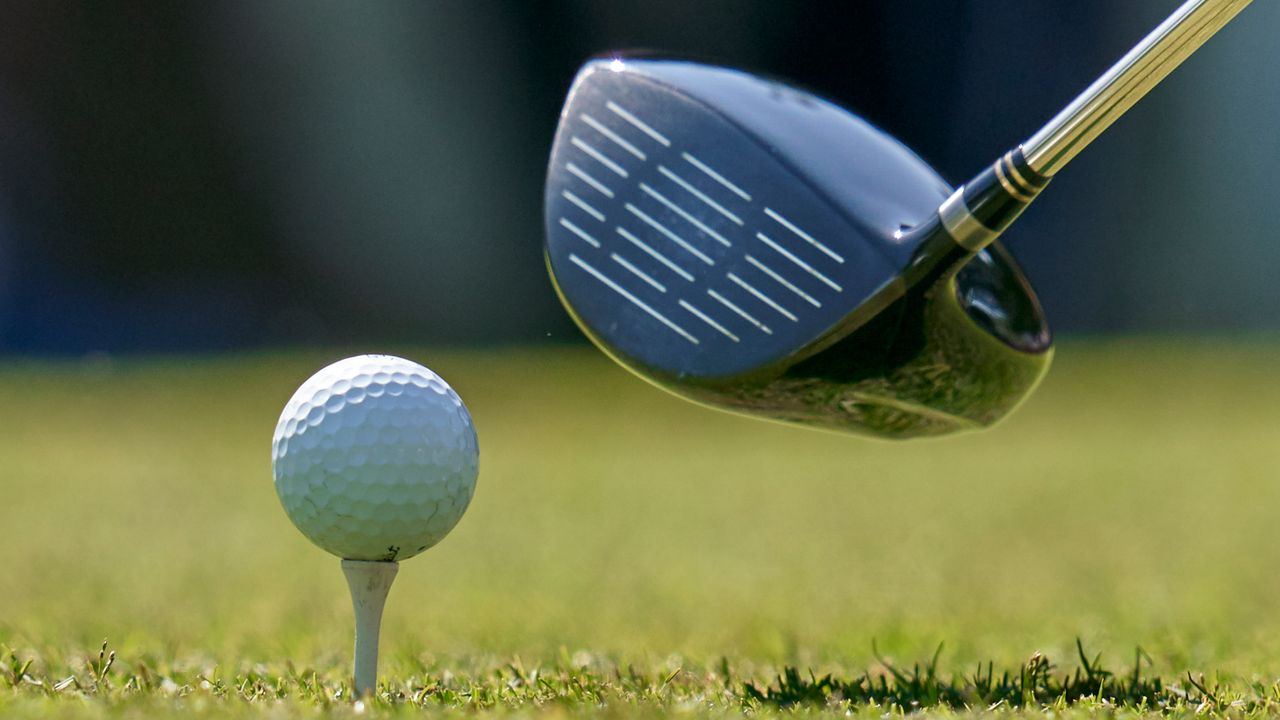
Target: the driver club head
pixel 743 244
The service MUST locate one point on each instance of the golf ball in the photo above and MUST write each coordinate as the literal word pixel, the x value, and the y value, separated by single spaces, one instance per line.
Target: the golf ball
pixel 375 458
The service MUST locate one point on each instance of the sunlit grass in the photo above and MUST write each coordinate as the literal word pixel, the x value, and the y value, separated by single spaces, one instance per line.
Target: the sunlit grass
pixel 1131 502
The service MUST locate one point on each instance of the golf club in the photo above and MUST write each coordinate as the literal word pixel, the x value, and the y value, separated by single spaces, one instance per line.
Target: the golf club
pixel 749 246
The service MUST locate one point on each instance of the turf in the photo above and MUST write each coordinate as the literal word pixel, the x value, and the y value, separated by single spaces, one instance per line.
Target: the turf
pixel 628 553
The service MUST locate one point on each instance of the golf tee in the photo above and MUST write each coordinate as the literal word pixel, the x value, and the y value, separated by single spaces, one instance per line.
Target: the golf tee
pixel 369 582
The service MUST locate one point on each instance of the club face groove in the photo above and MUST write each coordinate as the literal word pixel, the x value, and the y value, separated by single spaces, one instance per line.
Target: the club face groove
pixel 712 230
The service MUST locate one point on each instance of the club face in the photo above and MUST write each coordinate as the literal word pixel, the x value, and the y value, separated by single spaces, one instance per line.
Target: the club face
pixel 712 230
pixel 690 242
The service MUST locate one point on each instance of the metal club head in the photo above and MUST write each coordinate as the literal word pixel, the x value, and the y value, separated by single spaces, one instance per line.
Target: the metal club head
pixel 740 243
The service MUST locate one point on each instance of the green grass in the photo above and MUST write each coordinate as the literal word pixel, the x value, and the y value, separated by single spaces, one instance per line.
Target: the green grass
pixel 629 553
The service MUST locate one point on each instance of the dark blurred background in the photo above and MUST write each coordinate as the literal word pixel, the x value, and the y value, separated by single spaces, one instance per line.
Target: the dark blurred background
pixel 201 176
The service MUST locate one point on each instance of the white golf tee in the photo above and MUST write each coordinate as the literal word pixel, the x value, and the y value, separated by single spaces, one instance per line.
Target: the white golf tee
pixel 369 582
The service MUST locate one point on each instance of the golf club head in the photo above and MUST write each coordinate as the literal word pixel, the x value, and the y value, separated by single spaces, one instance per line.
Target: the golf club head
pixel 740 242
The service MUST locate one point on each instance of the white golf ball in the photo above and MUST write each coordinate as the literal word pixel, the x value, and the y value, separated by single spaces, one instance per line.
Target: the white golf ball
pixel 375 458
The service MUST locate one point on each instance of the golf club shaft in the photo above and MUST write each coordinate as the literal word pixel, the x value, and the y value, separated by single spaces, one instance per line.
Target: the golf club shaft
pixel 979 211
pixel 1111 95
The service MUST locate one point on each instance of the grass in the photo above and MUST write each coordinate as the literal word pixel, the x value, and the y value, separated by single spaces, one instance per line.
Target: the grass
pixel 628 553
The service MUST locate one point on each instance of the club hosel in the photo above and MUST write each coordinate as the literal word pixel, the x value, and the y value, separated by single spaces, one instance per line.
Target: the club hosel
pixel 979 211
pixel 971 218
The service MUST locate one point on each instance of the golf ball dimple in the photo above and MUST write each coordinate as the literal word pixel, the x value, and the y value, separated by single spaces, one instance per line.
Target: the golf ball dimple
pixel 375 458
